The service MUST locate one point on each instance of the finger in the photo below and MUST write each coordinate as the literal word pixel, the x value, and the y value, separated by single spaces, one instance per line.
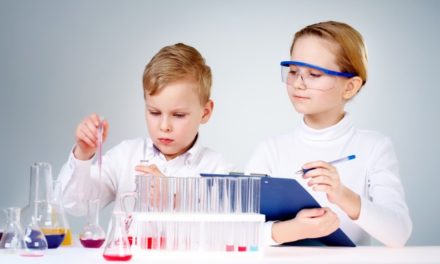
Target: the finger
pixel 316 172
pixel 326 180
pixel 149 170
pixel 87 137
pixel 105 126
pixel 95 119
pixel 322 188
pixel 315 164
pixel 312 212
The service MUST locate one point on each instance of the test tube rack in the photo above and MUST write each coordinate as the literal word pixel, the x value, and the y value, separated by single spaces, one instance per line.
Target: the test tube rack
pixel 214 214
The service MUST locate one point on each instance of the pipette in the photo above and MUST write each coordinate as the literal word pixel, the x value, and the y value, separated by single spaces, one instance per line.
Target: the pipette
pixel 100 135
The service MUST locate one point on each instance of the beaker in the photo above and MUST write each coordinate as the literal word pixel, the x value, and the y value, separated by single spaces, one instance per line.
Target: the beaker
pixel 92 235
pixel 13 240
pixel 52 219
pixel 117 247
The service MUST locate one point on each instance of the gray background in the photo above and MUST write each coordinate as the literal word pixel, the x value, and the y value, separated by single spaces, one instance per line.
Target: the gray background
pixel 61 60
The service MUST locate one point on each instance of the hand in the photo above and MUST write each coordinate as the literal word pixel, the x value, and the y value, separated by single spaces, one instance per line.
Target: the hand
pixel 86 137
pixel 325 178
pixel 156 188
pixel 308 223
pixel 149 170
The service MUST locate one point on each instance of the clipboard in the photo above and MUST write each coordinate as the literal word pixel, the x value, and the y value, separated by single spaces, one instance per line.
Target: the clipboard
pixel 282 198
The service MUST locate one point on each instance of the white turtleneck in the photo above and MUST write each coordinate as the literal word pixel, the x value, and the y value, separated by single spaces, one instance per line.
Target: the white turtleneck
pixel 373 175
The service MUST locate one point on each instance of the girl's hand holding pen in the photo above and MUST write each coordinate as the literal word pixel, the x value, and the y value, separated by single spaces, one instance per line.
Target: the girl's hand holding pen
pixel 324 178
pixel 86 136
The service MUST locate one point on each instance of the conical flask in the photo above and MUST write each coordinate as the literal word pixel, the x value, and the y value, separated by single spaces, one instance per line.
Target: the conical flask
pixel 52 219
pixel 13 240
pixel 117 247
pixel 35 240
pixel 92 235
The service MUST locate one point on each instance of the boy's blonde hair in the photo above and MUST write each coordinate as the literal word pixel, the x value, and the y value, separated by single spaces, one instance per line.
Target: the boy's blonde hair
pixel 174 63
pixel 352 53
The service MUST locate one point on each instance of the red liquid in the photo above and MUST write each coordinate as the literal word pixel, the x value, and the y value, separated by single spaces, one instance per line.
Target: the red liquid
pixel 152 243
pixel 229 248
pixel 117 257
pixel 130 240
pixel 241 249
pixel 92 243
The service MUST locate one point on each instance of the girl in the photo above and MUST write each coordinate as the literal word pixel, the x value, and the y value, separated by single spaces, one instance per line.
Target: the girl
pixel 364 196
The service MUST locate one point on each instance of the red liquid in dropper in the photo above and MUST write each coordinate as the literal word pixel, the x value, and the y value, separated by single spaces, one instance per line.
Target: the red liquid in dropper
pixel 92 243
pixel 117 257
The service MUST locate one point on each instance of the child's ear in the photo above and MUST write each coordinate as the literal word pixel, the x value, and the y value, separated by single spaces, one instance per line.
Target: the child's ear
pixel 207 111
pixel 352 87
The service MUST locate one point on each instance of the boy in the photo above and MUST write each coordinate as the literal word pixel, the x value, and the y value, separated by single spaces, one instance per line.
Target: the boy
pixel 177 85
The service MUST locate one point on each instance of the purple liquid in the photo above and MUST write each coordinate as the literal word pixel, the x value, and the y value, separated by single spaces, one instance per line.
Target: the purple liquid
pixel 54 241
pixel 1 234
pixel 35 240
pixel 92 243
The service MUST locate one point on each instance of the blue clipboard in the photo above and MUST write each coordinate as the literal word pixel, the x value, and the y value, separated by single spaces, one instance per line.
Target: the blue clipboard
pixel 281 199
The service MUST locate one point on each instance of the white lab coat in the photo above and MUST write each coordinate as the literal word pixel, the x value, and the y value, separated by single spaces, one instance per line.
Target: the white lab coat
pixel 373 175
pixel 80 179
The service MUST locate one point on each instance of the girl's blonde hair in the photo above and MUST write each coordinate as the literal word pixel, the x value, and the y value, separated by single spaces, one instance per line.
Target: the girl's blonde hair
pixel 351 54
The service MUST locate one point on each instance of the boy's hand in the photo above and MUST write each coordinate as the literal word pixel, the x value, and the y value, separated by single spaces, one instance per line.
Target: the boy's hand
pixel 308 223
pixel 86 137
pixel 149 170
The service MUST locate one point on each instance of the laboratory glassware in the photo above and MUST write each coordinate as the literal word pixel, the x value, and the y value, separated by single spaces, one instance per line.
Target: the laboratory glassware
pixel 52 219
pixel 13 239
pixel 35 240
pixel 117 247
pixel 92 235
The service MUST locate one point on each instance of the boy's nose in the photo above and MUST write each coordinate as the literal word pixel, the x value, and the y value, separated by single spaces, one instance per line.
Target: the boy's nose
pixel 165 125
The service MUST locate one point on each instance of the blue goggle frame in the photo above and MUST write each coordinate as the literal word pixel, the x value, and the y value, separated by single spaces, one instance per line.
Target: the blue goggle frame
pixel 324 70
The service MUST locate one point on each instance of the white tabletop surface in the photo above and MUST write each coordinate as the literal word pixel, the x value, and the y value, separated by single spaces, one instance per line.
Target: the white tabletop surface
pixel 77 254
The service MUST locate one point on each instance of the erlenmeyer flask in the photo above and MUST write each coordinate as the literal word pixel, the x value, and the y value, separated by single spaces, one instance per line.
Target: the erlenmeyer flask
pixel 92 235
pixel 35 240
pixel 36 243
pixel 52 220
pixel 117 247
pixel 12 240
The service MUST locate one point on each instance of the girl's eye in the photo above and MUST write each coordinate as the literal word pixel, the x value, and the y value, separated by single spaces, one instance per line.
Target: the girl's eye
pixel 292 72
pixel 315 75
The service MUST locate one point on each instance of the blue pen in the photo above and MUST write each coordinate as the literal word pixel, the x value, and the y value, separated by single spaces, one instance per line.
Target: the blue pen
pixel 351 157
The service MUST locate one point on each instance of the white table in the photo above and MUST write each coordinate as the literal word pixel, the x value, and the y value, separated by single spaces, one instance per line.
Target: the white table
pixel 77 254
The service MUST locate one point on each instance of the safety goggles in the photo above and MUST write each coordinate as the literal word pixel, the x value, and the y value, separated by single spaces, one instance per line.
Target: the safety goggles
pixel 312 76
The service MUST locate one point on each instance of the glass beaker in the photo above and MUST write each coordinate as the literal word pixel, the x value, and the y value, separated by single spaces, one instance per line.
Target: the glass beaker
pixel 52 220
pixel 92 235
pixel 13 240
pixel 117 247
